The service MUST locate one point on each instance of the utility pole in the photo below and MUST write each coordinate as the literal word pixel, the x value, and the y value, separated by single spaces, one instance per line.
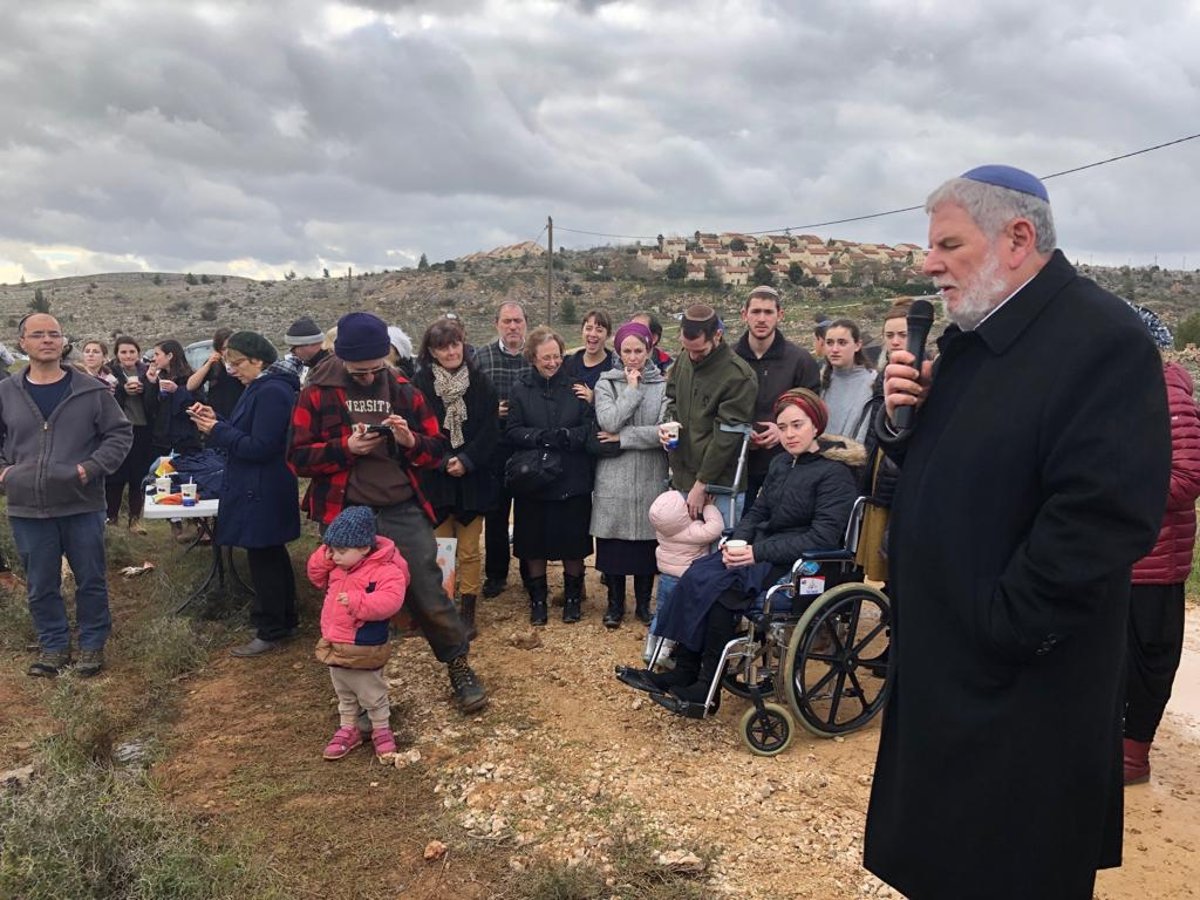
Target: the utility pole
pixel 549 270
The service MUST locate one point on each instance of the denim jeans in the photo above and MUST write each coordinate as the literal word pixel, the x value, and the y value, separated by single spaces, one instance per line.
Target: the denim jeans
pixel 41 544
pixel 725 503
pixel 426 600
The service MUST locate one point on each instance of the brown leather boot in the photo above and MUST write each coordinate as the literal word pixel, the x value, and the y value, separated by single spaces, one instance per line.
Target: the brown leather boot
pixel 1137 761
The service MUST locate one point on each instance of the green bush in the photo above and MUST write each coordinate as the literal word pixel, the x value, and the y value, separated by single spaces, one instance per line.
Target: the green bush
pixel 1188 332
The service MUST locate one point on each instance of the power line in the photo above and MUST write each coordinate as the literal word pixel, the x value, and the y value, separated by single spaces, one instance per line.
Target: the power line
pixel 894 212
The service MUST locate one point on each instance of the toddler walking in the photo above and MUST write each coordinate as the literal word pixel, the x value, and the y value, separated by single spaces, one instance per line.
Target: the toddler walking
pixel 364 578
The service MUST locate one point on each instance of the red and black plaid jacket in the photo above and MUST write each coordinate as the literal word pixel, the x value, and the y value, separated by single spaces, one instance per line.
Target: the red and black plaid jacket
pixel 321 428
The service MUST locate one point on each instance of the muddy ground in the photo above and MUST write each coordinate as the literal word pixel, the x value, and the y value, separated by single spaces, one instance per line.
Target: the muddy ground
pixel 565 768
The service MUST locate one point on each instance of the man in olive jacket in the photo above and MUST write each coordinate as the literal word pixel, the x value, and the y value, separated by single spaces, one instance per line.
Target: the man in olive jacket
pixel 708 386
pixel 61 432
pixel 1035 473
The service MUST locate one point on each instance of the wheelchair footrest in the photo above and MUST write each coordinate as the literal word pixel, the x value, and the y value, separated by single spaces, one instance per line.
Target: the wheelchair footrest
pixel 680 707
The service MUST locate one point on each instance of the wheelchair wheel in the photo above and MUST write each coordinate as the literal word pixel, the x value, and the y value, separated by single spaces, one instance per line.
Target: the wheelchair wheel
pixel 769 732
pixel 828 675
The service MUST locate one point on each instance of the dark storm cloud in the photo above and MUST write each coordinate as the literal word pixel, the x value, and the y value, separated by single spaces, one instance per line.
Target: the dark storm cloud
pixel 365 133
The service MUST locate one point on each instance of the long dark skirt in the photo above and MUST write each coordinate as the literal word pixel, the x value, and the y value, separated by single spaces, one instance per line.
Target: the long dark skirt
pixel 552 529
pixel 617 557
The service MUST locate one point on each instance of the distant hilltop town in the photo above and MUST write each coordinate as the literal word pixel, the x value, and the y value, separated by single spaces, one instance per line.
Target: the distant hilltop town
pixel 731 258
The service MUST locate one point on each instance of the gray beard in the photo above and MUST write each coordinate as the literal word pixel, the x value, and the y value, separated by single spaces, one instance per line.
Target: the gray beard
pixel 979 297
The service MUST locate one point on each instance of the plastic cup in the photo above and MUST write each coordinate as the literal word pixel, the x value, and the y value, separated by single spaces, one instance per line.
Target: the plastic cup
pixel 672 430
pixel 189 492
pixel 736 545
pixel 162 486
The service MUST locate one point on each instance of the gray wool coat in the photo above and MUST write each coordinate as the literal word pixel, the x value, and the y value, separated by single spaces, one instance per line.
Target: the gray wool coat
pixel 627 484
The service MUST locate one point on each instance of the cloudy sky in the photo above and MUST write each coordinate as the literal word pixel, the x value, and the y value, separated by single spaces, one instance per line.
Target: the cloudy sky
pixel 252 138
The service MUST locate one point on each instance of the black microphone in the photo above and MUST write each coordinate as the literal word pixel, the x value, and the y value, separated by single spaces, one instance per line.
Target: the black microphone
pixel 920 320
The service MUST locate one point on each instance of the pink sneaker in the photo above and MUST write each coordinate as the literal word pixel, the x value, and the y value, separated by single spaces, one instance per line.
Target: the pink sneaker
pixel 384 741
pixel 343 741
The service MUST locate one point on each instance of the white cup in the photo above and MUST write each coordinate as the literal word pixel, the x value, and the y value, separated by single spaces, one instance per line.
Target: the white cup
pixel 131 379
pixel 672 431
pixel 162 486
pixel 188 489
pixel 736 545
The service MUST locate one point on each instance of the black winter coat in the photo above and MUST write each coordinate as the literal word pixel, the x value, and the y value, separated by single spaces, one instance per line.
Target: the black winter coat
pixel 477 491
pixel 1035 475
pixel 784 366
pixel 545 413
pixel 804 504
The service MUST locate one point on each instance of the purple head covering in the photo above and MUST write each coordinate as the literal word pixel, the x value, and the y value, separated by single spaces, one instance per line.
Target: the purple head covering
pixel 637 330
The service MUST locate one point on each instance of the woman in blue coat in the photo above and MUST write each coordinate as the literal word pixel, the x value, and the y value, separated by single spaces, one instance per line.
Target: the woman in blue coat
pixel 259 496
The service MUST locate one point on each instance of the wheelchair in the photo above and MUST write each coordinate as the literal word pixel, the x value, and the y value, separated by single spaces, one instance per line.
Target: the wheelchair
pixel 815 647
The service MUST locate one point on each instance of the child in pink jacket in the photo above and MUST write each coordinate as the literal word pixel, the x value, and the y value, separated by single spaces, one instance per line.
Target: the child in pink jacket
pixel 681 541
pixel 364 578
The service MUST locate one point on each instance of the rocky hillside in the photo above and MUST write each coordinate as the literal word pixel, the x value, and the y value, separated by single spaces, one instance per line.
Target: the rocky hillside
pixel 189 307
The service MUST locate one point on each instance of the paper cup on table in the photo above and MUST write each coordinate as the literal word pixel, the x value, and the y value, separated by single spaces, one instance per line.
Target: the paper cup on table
pixel 188 489
pixel 672 430
pixel 162 486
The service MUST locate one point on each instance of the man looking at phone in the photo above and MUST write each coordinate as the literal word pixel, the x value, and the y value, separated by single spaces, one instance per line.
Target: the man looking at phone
pixel 780 366
pixel 359 431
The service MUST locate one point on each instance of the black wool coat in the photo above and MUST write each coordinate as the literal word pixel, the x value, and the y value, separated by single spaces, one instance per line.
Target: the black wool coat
pixel 477 491
pixel 546 413
pixel 1035 475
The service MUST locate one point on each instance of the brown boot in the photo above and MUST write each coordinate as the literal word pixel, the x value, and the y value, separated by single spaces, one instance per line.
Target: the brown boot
pixel 1137 761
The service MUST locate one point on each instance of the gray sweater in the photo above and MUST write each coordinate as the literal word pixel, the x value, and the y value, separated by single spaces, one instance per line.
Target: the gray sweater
pixel 39 457
pixel 847 397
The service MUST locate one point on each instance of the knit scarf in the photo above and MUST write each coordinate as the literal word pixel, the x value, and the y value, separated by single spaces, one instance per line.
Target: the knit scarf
pixel 450 387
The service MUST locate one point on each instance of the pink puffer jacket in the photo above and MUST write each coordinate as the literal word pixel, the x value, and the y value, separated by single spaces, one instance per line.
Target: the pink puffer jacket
pixel 1171 559
pixel 681 539
pixel 374 587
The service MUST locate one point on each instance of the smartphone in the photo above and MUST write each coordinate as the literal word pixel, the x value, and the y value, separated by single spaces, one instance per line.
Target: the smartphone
pixel 378 429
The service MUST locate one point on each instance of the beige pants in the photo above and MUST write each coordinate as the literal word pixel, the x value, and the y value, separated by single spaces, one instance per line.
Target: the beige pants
pixel 467 558
pixel 361 689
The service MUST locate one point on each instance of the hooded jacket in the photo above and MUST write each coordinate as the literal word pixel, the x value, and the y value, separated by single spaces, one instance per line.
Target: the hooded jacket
pixel 38 456
pixel 681 539
pixel 357 633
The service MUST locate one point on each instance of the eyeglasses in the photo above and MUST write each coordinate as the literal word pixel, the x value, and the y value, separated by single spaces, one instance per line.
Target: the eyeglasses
pixel 42 335
pixel 363 373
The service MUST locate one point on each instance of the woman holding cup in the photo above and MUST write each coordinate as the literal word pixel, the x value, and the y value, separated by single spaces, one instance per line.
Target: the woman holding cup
pixel 804 505
pixel 629 403
pixel 131 392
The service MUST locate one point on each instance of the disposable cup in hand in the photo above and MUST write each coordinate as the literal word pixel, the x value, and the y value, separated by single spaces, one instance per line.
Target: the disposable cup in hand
pixel 672 431
pixel 736 545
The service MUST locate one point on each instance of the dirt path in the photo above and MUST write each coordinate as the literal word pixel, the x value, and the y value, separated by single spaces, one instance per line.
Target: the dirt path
pixel 568 765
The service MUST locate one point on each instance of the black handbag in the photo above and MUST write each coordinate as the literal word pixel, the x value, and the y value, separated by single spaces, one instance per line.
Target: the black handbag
pixel 528 471
pixel 597 447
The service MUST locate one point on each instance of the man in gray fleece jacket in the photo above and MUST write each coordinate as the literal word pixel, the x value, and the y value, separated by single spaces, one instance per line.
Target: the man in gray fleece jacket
pixel 61 433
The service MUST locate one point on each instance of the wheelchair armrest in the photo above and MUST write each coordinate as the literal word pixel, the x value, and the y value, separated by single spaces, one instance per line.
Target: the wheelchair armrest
pixel 820 556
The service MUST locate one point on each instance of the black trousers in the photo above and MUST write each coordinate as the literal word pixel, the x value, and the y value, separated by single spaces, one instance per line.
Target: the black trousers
pixel 1155 646
pixel 129 476
pixel 495 538
pixel 273 610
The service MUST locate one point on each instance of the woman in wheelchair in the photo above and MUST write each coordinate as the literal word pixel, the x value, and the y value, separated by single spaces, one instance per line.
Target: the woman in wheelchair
pixel 804 505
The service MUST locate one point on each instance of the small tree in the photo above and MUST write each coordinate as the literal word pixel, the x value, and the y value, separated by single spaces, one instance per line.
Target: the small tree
pixel 189 278
pixel 677 270
pixel 39 303
pixel 204 279
pixel 737 245
pixel 763 275
pixel 157 278
pixel 566 311
pixel 326 271
pixel 423 263
pixel 796 273
pixel 712 278
pixel 450 265
pixel 1188 332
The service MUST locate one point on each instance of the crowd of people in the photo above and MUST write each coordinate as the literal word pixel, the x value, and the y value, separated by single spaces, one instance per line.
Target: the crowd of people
pixel 1015 519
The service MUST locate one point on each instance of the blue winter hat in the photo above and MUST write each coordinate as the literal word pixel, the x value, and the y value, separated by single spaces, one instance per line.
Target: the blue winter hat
pixel 361 336
pixel 353 527
pixel 1009 177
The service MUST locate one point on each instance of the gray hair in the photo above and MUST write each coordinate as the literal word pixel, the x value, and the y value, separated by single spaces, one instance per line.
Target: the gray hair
pixel 992 207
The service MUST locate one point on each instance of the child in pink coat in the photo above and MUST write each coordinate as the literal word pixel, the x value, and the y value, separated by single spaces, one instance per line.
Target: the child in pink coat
pixel 364 578
pixel 681 541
